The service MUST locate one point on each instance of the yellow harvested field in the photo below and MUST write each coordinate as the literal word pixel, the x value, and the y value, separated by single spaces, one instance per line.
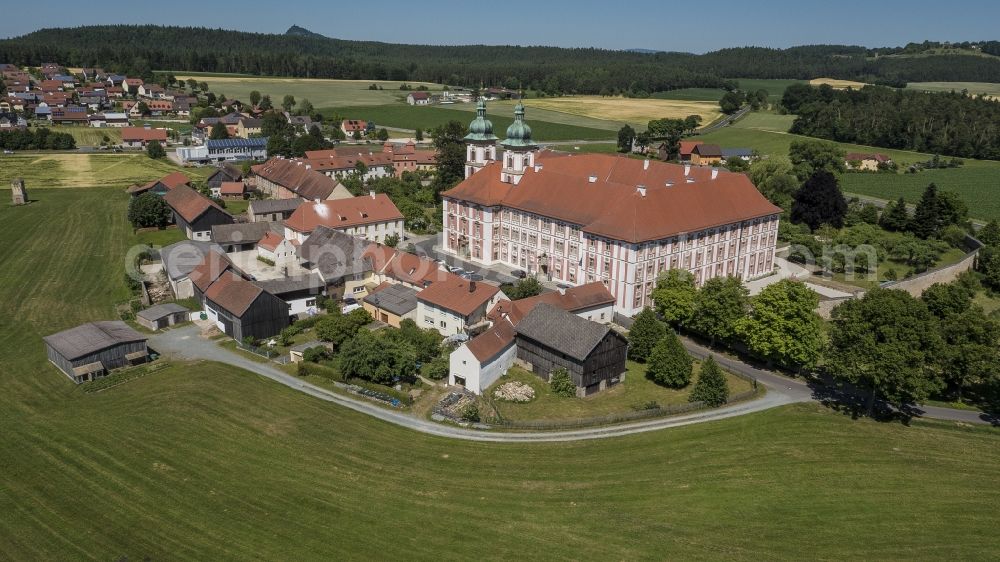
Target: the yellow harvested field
pixel 837 84
pixel 70 170
pixel 639 111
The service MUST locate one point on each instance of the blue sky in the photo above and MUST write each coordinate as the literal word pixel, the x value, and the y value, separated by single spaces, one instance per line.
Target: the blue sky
pixel 664 25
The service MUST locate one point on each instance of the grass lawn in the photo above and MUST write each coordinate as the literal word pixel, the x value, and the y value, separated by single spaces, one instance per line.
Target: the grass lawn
pixel 775 89
pixel 634 392
pixel 625 110
pixel 426 118
pixel 321 92
pixel 164 237
pixel 202 461
pixel 182 127
pixel 60 169
pixel 975 182
pixel 237 206
pixel 948 257
pixel 989 301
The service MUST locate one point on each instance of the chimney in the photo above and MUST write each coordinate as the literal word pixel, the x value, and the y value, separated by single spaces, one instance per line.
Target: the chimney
pixel 372 194
pixel 472 286
pixel 309 166
pixel 688 180
pixel 641 189
pixel 593 178
pixel 670 183
pixel 562 291
pixel 687 170
pixel 298 162
pixel 715 173
pixel 645 164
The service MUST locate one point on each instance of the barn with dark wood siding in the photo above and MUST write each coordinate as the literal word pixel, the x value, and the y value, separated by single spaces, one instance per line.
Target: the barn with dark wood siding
pixel 241 308
pixel 594 355
pixel 91 350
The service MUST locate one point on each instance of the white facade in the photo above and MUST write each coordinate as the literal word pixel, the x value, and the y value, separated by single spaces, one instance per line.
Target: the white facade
pixel 282 253
pixel 375 232
pixel 478 155
pixel 448 322
pixel 466 370
pixel 302 305
pixel 564 253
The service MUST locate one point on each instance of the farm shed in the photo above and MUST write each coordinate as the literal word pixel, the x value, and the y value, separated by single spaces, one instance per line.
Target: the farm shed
pixel 162 315
pixel 90 350
pixel 549 338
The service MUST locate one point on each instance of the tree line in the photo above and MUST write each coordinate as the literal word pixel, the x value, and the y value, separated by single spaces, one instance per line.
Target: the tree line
pixel 952 123
pixel 138 49
pixel 39 138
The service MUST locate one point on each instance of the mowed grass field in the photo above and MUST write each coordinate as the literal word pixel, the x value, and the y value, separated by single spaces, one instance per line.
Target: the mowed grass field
pixel 320 92
pixel 989 89
pixel 89 136
pixel 775 89
pixel 404 116
pixel 977 182
pixel 60 169
pixel 625 110
pixel 201 461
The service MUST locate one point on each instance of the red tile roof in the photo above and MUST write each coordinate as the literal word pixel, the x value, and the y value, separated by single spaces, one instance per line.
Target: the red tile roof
pixel 572 300
pixel 271 240
pixel 297 177
pixel 458 295
pixel 351 125
pixel 488 344
pixel 211 268
pixel 861 156
pixel 232 188
pixel 170 180
pixel 344 213
pixel 404 266
pixel 143 134
pixel 188 203
pixel 687 147
pixel 233 293
pixel 612 205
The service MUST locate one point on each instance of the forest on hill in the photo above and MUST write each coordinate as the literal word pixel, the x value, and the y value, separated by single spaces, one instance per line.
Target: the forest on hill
pixel 139 49
pixel 950 123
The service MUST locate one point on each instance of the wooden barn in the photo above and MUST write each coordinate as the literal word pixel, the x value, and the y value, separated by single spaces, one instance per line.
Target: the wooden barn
pixel 241 308
pixel 161 316
pixel 91 350
pixel 194 213
pixel 549 338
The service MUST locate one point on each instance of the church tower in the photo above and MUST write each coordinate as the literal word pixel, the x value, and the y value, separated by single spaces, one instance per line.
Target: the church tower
pixel 519 149
pixel 480 143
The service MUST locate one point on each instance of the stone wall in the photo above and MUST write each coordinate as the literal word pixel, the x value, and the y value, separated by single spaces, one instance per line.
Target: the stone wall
pixel 917 284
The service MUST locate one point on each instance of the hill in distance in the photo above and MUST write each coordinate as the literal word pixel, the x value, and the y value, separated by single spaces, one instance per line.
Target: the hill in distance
pixel 303 32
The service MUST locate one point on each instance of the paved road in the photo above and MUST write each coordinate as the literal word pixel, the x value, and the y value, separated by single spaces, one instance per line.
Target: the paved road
pixel 186 343
pixel 724 122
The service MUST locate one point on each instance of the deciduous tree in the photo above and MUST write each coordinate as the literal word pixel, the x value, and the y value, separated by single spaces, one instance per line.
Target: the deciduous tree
pixel 675 295
pixel 219 131
pixel 783 326
pixel 155 150
pixel 148 210
pixel 720 305
pixel 625 137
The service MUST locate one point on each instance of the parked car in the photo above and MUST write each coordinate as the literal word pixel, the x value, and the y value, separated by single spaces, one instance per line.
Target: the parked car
pixel 456 270
pixel 473 276
pixel 350 307
pixel 8 152
pixel 519 273
pixel 350 300
pixel 563 286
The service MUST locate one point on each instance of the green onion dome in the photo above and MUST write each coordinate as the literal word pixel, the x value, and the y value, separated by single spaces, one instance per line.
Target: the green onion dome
pixel 481 129
pixel 519 133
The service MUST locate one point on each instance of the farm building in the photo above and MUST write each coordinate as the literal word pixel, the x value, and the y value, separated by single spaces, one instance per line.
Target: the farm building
pixel 194 213
pixel 373 217
pixel 160 186
pixel 287 179
pixel 300 293
pixel 241 309
pixel 418 98
pixel 91 350
pixel 390 303
pixel 272 210
pixel 549 338
pixel 137 137
pixel 340 261
pixel 243 236
pixel 161 316
pixel 705 154
pixel 868 162
pixel 226 172
pixel 180 259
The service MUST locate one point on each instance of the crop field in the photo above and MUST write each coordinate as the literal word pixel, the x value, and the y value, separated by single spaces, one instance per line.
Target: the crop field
pixel 976 182
pixel 837 84
pixel 533 114
pixel 989 89
pixel 320 92
pixel 775 89
pixel 405 116
pixel 628 110
pixel 45 170
pixel 203 461
pixel 89 136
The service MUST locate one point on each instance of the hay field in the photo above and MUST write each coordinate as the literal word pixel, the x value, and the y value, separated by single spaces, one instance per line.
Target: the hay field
pixel 629 110
pixel 66 170
pixel 988 89
pixel 837 84
pixel 320 92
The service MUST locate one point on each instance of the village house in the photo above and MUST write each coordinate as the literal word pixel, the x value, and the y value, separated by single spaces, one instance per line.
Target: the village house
pixel 109 119
pixel 223 173
pixel 706 154
pixel 340 261
pixel 272 210
pixel 577 219
pixel 91 350
pixel 396 266
pixel 300 293
pixel 286 179
pixel 151 91
pixel 242 309
pixel 418 98
pixel 684 152
pixel 160 186
pixel 132 85
pixel 301 123
pixel 456 305
pixel 868 162
pixel 139 137
pixel 351 126
pixel 391 303
pixel 373 217
pixel 277 249
pixel 72 115
pixel 194 213
pixel 180 259
pixel 340 162
pixel 248 127
pixel 478 363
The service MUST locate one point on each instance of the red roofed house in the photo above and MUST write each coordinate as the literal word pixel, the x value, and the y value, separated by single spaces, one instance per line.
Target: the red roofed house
pixel 350 126
pixel 162 185
pixel 478 363
pixel 131 85
pixel 865 161
pixel 194 213
pixel 456 305
pixel 418 98
pixel 241 309
pixel 276 248
pixel 397 266
pixel 138 137
pixel 591 217
pixel 290 179
pixel 231 190
pixel 686 148
pixel 371 217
